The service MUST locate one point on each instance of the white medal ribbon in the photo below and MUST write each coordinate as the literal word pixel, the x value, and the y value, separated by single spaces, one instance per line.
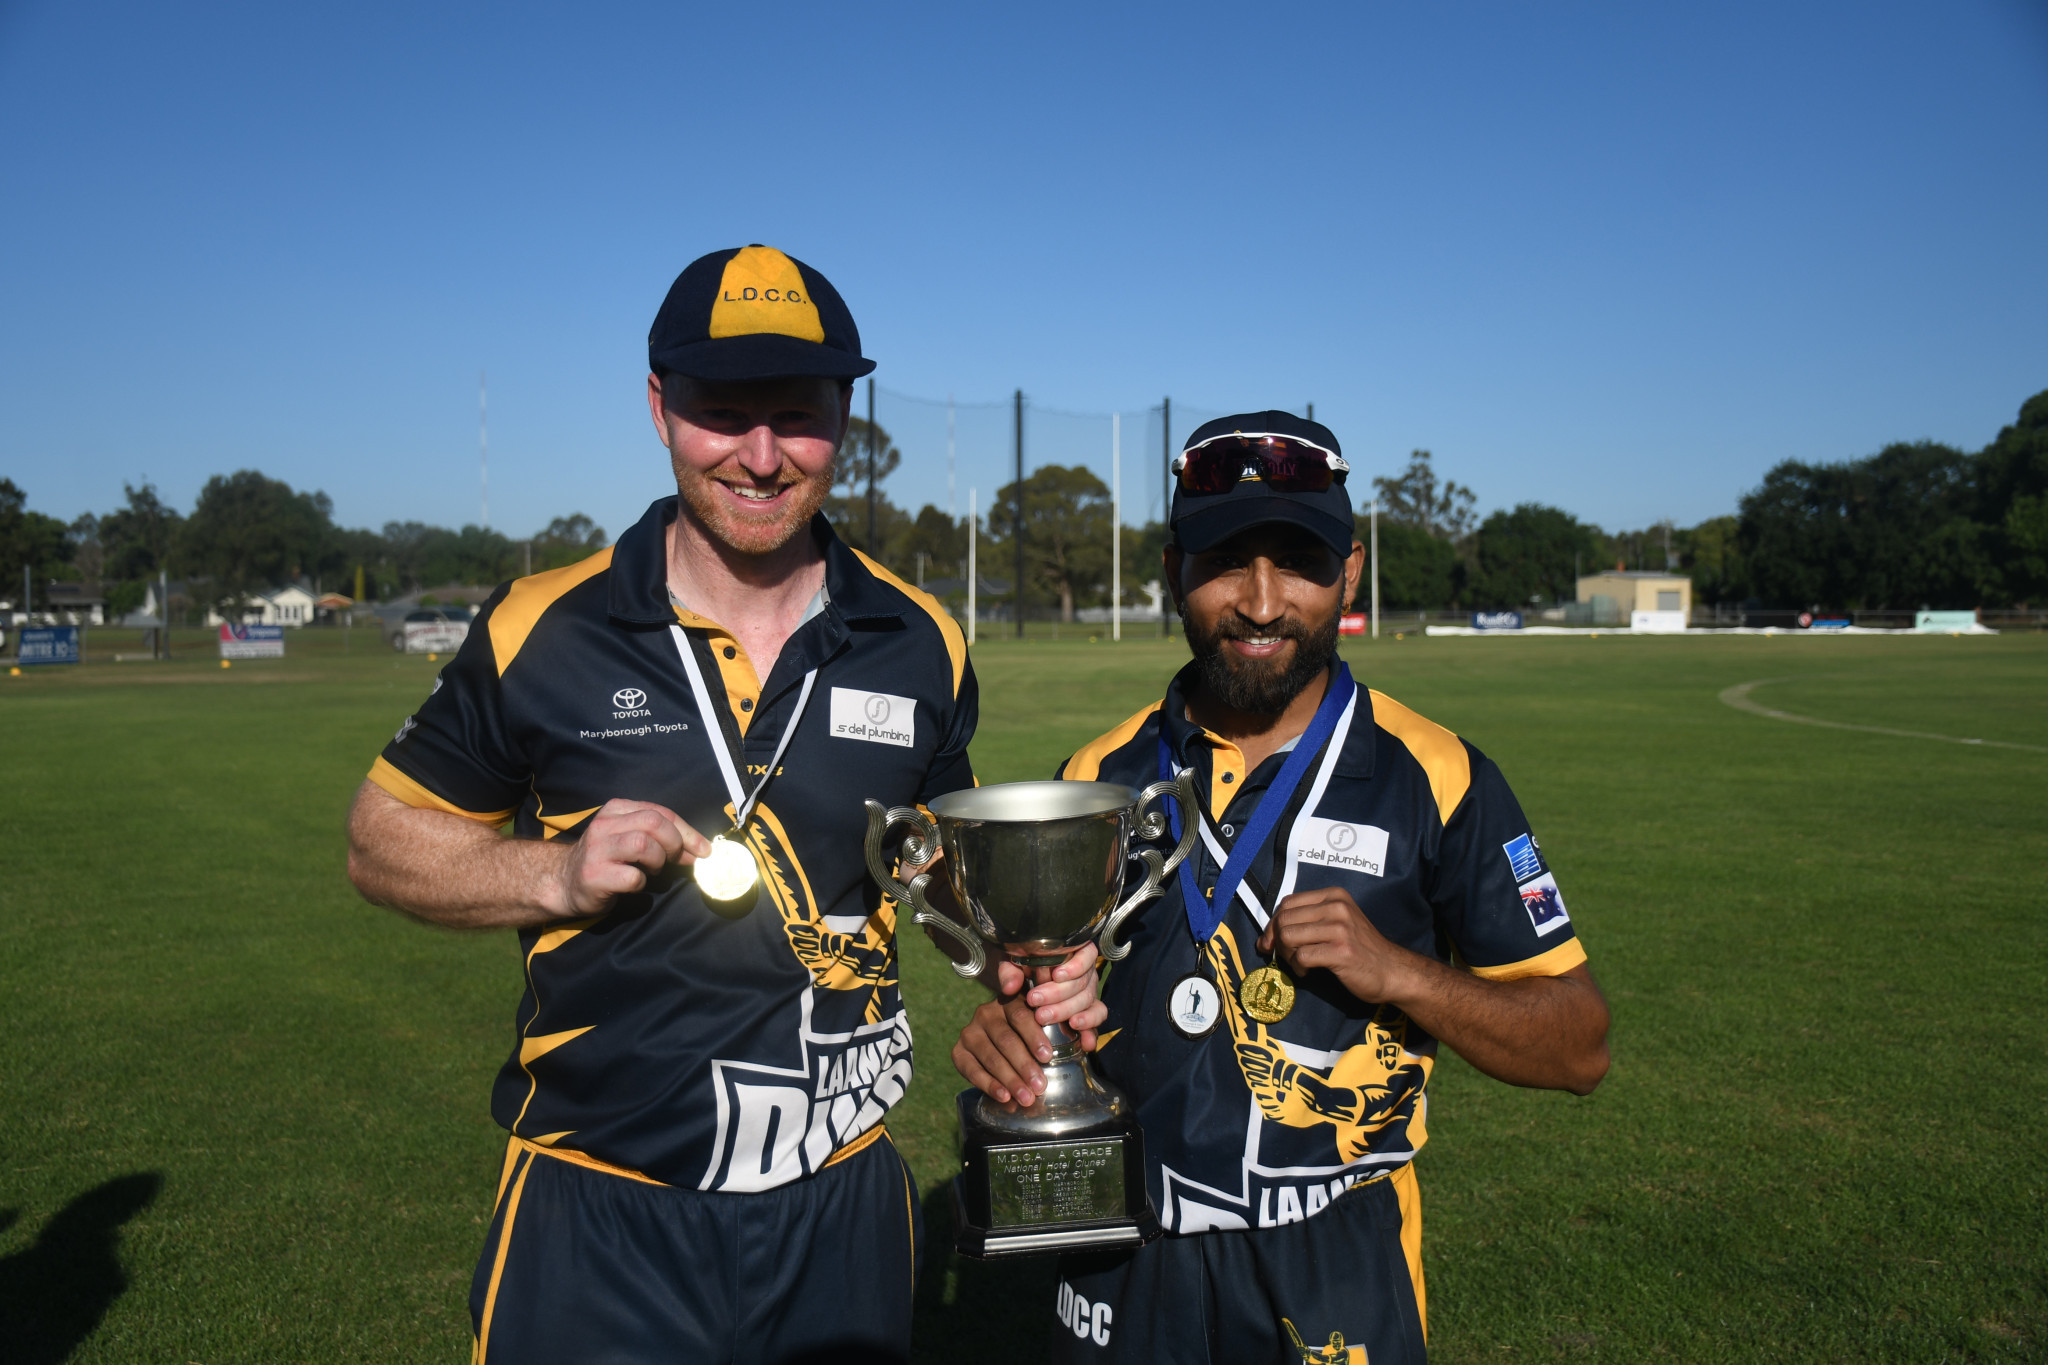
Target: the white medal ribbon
pixel 742 800
pixel 1315 796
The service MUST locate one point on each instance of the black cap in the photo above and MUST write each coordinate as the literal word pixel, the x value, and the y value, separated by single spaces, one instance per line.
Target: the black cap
pixel 752 312
pixel 1203 521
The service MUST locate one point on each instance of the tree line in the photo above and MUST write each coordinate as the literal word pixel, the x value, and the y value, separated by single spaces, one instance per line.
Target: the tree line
pixel 1434 553
pixel 247 533
pixel 1917 524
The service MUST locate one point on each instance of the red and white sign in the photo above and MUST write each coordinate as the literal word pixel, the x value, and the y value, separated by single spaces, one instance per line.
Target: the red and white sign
pixel 1351 623
pixel 251 642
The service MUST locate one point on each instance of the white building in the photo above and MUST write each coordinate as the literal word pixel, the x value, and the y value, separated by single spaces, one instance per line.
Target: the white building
pixel 74 604
pixel 291 605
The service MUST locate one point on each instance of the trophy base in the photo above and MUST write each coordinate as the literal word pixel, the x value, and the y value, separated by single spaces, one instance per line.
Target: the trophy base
pixel 1082 1190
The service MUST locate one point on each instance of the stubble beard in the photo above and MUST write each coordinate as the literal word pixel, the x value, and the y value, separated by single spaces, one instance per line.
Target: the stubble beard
pixel 752 533
pixel 1257 686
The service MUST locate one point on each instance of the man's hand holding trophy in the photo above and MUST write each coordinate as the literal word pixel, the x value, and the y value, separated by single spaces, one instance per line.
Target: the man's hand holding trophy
pixel 1037 869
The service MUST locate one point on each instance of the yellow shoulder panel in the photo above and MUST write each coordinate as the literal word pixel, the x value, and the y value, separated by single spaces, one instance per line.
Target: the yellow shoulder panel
pixel 1435 748
pixel 529 598
pixel 1556 962
pixel 419 798
pixel 1087 761
pixel 949 629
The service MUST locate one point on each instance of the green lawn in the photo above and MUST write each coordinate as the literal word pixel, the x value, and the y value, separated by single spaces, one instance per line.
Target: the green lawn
pixel 247 1113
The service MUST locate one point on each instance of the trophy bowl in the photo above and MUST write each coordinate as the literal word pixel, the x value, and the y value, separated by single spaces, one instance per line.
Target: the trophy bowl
pixel 1037 864
pixel 1037 867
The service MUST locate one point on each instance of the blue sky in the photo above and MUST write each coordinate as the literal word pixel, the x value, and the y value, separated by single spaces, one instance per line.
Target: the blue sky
pixel 1621 259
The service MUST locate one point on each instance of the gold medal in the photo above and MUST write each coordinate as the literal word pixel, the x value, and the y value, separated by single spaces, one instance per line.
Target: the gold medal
pixel 1267 995
pixel 728 872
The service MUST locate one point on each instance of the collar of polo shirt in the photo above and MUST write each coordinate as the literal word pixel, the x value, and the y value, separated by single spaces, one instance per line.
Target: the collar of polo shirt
pixel 1187 740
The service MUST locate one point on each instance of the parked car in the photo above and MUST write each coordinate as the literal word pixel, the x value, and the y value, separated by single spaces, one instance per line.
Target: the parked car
pixel 431 630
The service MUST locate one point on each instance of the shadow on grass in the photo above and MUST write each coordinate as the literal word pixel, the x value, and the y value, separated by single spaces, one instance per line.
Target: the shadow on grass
pixel 55 1292
pixel 989 1312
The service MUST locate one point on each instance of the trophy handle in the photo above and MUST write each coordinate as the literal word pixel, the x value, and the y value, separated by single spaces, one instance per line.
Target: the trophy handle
pixel 918 846
pixel 1151 824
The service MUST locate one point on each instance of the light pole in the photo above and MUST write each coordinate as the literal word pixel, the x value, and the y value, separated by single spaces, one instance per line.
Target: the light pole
pixel 1375 568
pixel 1116 526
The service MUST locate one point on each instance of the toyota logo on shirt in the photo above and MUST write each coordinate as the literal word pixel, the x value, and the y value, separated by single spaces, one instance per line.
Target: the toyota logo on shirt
pixel 628 702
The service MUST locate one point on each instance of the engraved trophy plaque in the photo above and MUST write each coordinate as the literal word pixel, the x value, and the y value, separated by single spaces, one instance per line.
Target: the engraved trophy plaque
pixel 1038 867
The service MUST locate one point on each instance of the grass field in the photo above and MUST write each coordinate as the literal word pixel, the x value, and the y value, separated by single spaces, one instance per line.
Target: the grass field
pixel 246 1114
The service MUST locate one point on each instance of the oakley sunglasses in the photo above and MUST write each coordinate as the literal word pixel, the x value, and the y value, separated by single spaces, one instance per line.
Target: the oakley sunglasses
pixel 1286 464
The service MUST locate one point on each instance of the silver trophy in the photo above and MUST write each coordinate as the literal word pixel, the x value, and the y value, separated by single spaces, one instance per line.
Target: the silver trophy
pixel 1038 866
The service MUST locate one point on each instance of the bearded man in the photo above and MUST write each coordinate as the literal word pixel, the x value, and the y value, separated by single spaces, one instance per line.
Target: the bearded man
pixel 681 730
pixel 1365 886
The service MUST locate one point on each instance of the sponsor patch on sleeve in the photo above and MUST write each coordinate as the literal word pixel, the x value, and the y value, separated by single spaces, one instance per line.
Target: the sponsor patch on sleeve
pixel 1523 858
pixel 876 717
pixel 1545 904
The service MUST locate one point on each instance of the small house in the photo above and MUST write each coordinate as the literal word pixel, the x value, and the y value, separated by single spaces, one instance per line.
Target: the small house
pixel 1615 595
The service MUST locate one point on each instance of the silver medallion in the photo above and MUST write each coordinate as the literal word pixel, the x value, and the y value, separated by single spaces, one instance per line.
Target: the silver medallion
pixel 1194 1006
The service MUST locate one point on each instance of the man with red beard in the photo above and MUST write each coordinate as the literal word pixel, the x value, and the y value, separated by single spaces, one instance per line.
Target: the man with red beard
pixel 681 730
pixel 1365 886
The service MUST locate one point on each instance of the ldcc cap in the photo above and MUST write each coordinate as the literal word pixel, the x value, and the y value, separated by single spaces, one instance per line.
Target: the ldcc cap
pixel 752 312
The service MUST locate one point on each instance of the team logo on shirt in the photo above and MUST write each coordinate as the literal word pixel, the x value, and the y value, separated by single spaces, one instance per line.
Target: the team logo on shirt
pixel 1336 1351
pixel 850 1059
pixel 629 702
pixel 1361 1099
pixel 1086 1319
pixel 1365 1090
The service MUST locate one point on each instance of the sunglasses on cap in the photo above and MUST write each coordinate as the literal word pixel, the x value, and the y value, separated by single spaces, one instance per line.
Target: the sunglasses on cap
pixel 1286 464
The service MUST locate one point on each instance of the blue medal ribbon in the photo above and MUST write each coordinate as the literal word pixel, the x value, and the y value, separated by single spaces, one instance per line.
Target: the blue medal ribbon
pixel 1205 914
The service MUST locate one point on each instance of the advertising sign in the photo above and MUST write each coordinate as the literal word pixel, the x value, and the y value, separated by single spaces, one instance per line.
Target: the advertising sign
pixel 1657 622
pixel 1351 623
pixel 1496 620
pixel 49 645
pixel 1944 621
pixel 251 642
pixel 435 637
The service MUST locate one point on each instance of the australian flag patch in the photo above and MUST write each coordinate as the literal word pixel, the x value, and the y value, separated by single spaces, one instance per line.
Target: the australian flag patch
pixel 1545 904
pixel 1523 858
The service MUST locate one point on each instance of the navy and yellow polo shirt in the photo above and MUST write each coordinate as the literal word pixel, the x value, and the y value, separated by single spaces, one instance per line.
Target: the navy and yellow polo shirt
pixel 660 1038
pixel 1256 1125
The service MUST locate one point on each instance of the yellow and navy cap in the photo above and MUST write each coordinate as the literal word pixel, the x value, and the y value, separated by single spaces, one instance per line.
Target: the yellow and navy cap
pixel 752 312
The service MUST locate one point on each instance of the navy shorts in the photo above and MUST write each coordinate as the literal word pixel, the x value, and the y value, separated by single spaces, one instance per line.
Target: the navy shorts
pixel 587 1266
pixel 1343 1286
